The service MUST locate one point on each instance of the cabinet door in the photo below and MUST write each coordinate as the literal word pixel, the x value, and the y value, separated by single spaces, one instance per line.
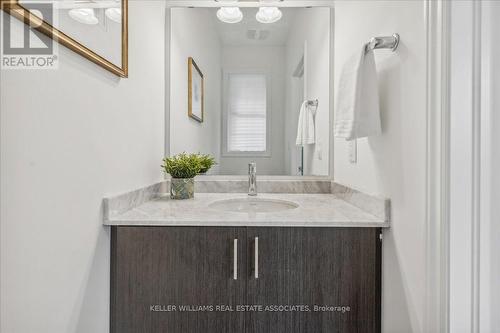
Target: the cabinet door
pixel 171 279
pixel 319 271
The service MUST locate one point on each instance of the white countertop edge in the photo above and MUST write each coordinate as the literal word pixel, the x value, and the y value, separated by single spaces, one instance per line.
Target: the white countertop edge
pixel 196 223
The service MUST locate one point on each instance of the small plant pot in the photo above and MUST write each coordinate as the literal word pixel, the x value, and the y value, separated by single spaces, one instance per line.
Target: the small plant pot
pixel 182 188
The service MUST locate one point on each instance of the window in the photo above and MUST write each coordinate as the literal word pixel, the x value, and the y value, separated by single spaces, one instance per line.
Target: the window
pixel 246 114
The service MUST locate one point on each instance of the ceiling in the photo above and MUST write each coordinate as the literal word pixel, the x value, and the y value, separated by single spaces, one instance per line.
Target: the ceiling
pixel 251 32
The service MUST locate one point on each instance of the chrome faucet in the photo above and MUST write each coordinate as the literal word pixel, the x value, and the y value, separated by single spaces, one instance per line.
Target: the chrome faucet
pixel 252 179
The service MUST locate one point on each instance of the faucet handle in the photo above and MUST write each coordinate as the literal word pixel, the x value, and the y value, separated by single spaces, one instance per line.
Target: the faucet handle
pixel 252 179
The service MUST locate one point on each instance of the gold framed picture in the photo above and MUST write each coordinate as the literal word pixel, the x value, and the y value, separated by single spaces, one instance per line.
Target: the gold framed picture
pixel 196 91
pixel 111 26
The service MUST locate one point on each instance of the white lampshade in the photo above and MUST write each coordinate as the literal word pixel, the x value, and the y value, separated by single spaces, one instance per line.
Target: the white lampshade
pixel 268 14
pixel 83 15
pixel 114 14
pixel 230 14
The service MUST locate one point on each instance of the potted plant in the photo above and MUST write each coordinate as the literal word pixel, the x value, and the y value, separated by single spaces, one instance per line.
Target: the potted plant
pixel 183 168
pixel 207 162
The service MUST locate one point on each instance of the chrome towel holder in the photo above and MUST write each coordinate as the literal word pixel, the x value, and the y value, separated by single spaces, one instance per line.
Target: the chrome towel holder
pixel 313 103
pixel 385 42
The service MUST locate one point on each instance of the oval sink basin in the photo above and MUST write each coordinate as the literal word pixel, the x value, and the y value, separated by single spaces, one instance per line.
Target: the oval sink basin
pixel 253 205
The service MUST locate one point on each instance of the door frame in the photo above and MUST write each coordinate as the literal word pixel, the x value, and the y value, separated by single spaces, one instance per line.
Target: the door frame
pixel 439 79
pixel 470 264
pixel 436 311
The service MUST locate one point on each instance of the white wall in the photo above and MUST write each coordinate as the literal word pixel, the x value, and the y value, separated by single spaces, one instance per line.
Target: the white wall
pixel 265 58
pixel 311 27
pixel 393 164
pixel 200 41
pixel 69 137
pixel 294 98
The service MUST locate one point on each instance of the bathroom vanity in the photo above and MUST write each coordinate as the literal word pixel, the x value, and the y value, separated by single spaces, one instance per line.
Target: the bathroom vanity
pixel 304 254
pixel 304 258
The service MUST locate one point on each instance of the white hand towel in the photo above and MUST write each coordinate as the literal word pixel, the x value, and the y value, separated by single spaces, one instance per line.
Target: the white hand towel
pixel 305 128
pixel 358 113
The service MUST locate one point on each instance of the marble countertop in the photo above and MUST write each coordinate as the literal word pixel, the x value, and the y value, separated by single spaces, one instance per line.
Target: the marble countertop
pixel 314 210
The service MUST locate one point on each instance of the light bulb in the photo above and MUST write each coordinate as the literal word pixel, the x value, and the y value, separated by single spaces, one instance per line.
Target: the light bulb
pixel 83 15
pixel 114 14
pixel 268 14
pixel 230 14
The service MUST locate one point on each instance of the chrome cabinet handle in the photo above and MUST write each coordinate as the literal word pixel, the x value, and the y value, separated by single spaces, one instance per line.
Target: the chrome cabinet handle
pixel 235 259
pixel 256 257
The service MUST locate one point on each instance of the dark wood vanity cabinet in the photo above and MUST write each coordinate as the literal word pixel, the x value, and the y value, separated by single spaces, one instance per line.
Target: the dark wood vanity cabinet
pixel 183 279
pixel 154 269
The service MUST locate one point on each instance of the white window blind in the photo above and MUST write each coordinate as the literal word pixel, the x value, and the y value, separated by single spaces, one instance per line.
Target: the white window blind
pixel 247 113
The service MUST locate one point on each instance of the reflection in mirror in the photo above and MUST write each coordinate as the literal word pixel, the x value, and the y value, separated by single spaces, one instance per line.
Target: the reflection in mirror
pixel 257 77
pixel 96 24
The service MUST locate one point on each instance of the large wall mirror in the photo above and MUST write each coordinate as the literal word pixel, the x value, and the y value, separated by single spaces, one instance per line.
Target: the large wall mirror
pixel 95 29
pixel 261 68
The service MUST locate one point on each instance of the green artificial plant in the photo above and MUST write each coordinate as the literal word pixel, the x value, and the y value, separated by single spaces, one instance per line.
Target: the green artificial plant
pixel 206 162
pixel 182 165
